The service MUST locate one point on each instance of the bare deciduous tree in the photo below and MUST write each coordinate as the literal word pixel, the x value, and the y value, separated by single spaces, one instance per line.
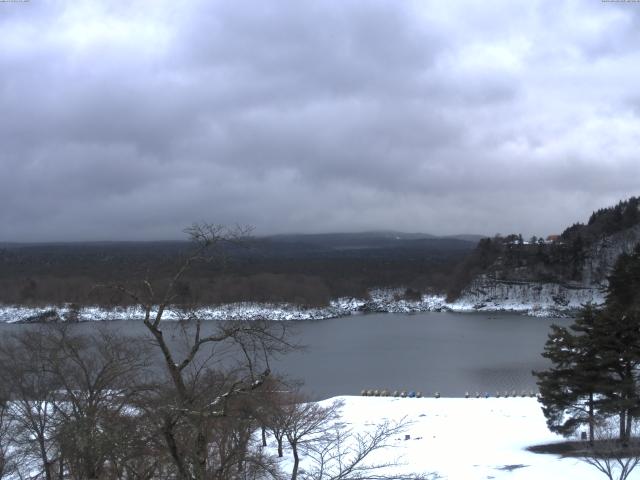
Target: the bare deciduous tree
pixel 99 375
pixel 275 412
pixel 616 459
pixel 342 454
pixel 303 423
pixel 323 448
pixel 196 395
pixel 7 455
pixel 31 399
pixel 69 395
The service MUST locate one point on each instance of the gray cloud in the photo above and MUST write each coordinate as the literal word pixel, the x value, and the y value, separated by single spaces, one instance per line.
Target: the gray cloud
pixel 132 120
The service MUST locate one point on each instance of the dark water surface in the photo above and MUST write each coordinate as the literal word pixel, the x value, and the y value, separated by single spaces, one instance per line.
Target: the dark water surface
pixel 449 353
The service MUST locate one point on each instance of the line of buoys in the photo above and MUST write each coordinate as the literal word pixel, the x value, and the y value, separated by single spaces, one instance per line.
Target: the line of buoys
pixel 418 394
pixel 513 393
pixel 389 393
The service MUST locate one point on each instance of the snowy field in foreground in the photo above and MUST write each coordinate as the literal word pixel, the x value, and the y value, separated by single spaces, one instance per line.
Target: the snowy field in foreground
pixel 468 439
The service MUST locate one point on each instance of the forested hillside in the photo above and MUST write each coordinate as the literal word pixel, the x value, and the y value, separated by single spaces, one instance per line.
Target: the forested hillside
pixel 303 269
pixel 582 255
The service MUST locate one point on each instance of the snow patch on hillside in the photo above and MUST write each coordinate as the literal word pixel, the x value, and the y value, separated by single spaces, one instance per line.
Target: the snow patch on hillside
pixel 381 300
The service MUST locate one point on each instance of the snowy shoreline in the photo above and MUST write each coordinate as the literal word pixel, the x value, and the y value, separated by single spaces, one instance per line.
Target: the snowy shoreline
pixel 463 439
pixel 380 301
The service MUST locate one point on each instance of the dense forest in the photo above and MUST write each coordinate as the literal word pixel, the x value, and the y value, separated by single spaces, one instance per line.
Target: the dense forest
pixel 303 269
pixel 605 221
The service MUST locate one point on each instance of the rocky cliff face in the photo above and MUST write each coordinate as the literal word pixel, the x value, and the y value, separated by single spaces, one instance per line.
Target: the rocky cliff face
pixel 602 255
pixel 487 292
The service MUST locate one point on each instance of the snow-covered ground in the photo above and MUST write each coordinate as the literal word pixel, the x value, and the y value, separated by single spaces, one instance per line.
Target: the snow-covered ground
pixel 381 300
pixel 466 439
pixel 236 311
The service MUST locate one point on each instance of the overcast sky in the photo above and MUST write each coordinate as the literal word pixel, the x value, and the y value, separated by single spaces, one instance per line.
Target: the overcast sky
pixel 131 120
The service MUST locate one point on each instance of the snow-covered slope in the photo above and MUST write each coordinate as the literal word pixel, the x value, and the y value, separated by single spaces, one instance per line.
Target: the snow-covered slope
pixel 465 439
pixel 236 311
pixel 380 300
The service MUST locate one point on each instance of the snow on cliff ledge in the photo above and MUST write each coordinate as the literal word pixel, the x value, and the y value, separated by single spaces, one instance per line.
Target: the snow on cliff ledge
pixel 537 299
pixel 542 300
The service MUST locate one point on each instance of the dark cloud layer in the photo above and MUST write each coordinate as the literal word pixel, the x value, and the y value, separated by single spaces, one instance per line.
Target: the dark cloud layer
pixel 130 120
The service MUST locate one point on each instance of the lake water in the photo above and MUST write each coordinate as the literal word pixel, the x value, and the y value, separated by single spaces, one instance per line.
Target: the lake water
pixel 444 352
pixel 449 353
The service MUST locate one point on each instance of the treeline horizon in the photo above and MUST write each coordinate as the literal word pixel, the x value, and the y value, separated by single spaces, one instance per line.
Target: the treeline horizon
pixel 287 269
pixel 307 270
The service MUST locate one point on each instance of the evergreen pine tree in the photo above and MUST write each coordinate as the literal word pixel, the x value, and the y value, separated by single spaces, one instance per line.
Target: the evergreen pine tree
pixel 620 342
pixel 596 361
pixel 569 388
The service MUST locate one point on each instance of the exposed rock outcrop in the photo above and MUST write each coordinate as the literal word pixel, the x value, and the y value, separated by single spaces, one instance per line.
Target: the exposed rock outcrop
pixel 602 255
pixel 488 294
pixel 489 291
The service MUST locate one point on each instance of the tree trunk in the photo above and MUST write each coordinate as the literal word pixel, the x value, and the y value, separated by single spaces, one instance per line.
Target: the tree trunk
pixel 201 456
pixel 591 419
pixel 44 457
pixel 264 436
pixel 243 447
pixel 279 447
pixel 174 451
pixel 174 372
pixel 296 462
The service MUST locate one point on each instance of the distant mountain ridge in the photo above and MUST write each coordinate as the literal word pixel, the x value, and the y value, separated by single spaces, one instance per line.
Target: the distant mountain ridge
pixel 327 239
pixel 372 239
pixel 307 237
